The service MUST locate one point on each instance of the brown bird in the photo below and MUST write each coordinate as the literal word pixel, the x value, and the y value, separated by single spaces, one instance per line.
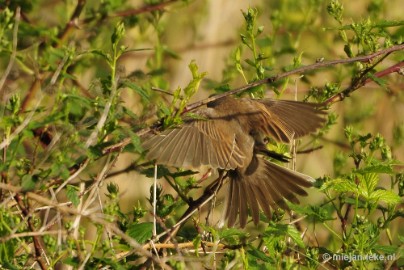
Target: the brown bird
pixel 229 134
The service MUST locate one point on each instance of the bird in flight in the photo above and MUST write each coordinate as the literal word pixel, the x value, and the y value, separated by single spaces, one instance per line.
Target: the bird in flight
pixel 231 134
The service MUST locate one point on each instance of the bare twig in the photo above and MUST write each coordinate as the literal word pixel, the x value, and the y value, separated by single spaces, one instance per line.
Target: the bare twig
pixel 37 239
pixel 362 81
pixel 27 234
pixel 144 9
pixel 183 245
pixel 73 175
pixel 71 23
pixel 301 70
pixel 310 150
pixel 155 201
pixel 162 91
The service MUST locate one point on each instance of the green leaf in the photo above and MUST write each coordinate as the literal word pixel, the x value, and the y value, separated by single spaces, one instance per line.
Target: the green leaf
pixel 104 55
pixel 9 266
pixel 137 89
pixel 379 81
pixel 197 77
pixel 141 232
pixel 336 9
pixel 340 185
pixel 313 212
pixel 28 182
pixel 386 249
pixel 119 32
pixel 171 53
pixel 286 230
pixel 73 194
pixel 250 62
pixel 390 23
pixel 379 168
pixel 385 196
pixel 197 243
pixel 227 233
pixel 367 183
pixel 258 254
pixel 295 235
pixel 167 206
pixel 72 261
pixel 161 171
pixel 136 143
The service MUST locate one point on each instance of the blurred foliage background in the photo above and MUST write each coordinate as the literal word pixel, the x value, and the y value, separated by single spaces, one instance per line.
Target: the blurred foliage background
pixel 83 81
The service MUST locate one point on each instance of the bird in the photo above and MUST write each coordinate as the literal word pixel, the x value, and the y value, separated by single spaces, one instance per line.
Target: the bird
pixel 231 134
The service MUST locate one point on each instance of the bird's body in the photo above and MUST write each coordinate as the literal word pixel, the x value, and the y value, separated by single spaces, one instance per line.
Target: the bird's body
pixel 229 134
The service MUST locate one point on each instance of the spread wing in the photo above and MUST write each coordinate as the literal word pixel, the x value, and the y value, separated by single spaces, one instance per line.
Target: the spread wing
pixel 214 142
pixel 285 120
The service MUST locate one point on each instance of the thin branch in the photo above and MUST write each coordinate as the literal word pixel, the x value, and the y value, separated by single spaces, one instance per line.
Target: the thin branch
pixel 301 70
pixel 183 245
pixel 72 22
pixel 37 240
pixel 27 234
pixel 363 81
pixel 162 91
pixel 73 175
pixel 155 201
pixel 310 150
pixel 144 9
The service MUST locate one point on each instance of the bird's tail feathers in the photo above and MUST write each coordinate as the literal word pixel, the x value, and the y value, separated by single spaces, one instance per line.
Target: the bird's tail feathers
pixel 265 187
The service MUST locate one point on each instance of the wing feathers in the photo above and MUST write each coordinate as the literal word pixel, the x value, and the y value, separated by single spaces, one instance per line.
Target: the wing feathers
pixel 286 120
pixel 195 144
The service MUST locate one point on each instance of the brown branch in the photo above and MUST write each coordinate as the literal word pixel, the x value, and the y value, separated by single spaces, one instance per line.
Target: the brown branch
pixel 144 9
pixel 37 239
pixel 72 23
pixel 310 150
pixel 395 68
pixel 35 86
pixel 133 12
pixel 182 245
pixel 363 81
pixel 27 234
pixel 301 70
